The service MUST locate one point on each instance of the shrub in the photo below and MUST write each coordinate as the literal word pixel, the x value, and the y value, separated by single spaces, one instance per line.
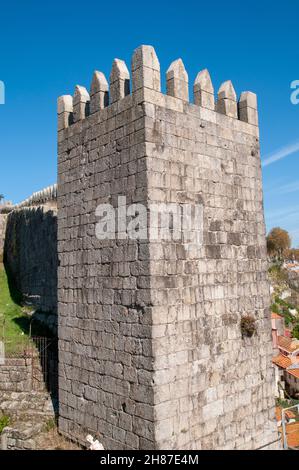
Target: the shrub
pixel 295 332
pixel 4 421
pixel 274 308
pixel 248 326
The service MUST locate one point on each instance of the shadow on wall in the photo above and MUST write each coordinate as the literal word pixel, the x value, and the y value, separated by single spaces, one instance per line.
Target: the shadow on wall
pixel 30 258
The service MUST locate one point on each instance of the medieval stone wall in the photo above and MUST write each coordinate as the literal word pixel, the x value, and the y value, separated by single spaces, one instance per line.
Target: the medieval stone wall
pixel 3 218
pixel 24 399
pixel 213 389
pixel 105 355
pixel 151 349
pixel 30 256
pixel 15 376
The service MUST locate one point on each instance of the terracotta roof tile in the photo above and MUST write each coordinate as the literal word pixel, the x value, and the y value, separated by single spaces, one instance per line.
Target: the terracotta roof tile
pixel 289 414
pixel 293 434
pixel 292 429
pixel 282 361
pixel 277 413
pixel 288 344
pixel 276 316
pixel 294 372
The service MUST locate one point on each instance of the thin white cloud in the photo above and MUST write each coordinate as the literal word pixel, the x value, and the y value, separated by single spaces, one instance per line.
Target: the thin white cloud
pixel 272 187
pixel 289 188
pixel 280 154
pixel 281 218
pixel 283 212
pixel 278 188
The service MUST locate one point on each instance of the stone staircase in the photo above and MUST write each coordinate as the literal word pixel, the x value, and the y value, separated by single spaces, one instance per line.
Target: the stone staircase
pixel 16 404
pixel 30 413
pixel 22 435
pixel 25 399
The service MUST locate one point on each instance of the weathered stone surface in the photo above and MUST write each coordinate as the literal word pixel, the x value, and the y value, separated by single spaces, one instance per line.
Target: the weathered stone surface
pixel 64 111
pixel 101 313
pixel 3 220
pixel 177 80
pixel 151 351
pixel 15 376
pixel 204 91
pixel 145 69
pixel 81 101
pixel 99 92
pixel 30 255
pixel 248 108
pixel 119 81
pixel 227 100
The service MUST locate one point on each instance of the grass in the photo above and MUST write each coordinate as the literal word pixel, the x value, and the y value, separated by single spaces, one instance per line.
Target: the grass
pixel 14 318
pixel 4 421
pixel 51 440
pixel 277 274
pixel 286 403
pixel 50 424
pixel 279 277
pixel 282 307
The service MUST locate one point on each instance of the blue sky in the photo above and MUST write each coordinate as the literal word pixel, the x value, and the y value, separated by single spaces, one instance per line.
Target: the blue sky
pixel 46 48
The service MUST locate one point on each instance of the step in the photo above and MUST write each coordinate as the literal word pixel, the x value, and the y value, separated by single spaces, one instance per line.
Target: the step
pixel 16 403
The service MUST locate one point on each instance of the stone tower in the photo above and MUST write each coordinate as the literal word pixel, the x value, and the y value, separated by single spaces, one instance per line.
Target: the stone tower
pixel 152 355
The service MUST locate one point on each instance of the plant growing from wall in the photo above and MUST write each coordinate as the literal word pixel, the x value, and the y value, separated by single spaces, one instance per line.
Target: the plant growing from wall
pixel 248 326
pixel 50 424
pixel 4 421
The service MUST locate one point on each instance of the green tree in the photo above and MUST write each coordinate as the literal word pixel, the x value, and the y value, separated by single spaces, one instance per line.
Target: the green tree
pixel 1 197
pixel 295 331
pixel 278 241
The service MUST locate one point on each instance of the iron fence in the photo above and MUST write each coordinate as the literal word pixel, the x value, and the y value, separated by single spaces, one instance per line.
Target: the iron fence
pixel 41 353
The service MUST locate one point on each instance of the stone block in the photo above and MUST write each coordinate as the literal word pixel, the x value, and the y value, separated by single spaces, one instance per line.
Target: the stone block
pixel 158 321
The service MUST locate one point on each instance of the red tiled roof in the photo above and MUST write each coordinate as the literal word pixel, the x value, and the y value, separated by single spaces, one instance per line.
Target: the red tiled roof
pixel 282 361
pixel 287 343
pixel 277 413
pixel 292 429
pixel 289 414
pixel 294 372
pixel 276 316
pixel 293 434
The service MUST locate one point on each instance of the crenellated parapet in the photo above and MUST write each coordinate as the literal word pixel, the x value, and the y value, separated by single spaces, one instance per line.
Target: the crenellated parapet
pixel 177 80
pixel 46 195
pixel 146 76
pixel 99 92
pixel 203 90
